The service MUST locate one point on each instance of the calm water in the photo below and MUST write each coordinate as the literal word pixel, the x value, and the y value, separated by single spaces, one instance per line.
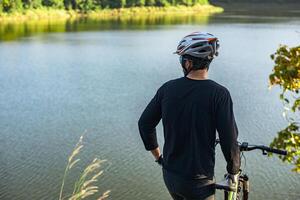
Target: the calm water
pixel 97 77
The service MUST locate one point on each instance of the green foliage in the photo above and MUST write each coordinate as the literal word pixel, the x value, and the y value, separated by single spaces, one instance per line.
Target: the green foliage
pixel 188 2
pixel 130 3
pixel 162 3
pixel 286 71
pixel 102 3
pixel 117 3
pixel 201 2
pixel 32 3
pixel 149 2
pixel 67 4
pixel 53 3
pixel 123 3
pixel 70 4
pixel 140 2
pixel 289 139
pixel 10 5
pixel 286 74
pixel 86 5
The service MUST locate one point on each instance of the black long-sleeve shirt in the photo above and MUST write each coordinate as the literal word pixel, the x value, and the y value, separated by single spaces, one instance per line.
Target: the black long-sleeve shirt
pixel 191 112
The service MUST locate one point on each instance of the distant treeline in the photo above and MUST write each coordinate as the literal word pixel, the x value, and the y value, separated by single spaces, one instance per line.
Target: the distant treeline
pixel 86 5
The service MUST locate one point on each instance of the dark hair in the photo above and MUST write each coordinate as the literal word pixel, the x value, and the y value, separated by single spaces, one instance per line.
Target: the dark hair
pixel 198 63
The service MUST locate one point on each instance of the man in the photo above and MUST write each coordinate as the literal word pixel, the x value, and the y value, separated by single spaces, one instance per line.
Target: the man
pixel 192 108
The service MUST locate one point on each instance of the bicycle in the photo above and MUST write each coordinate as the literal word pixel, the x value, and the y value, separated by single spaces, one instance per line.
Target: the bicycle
pixel 241 192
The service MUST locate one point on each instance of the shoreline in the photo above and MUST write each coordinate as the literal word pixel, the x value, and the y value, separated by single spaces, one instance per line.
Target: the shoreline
pixel 61 14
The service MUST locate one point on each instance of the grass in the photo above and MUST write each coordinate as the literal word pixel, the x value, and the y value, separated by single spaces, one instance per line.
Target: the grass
pixel 85 186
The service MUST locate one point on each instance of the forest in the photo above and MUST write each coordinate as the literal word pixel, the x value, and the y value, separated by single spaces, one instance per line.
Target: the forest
pixel 7 6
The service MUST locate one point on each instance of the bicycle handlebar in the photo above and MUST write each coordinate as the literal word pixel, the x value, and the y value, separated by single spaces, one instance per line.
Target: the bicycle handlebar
pixel 277 151
pixel 246 147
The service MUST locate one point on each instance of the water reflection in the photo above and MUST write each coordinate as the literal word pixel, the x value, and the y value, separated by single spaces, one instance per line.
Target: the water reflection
pixel 14 30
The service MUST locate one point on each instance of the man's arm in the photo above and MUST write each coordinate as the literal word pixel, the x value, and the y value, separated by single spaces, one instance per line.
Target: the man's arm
pixel 228 132
pixel 147 125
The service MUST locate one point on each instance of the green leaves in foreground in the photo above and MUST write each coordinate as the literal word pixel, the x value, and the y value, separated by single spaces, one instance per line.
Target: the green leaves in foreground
pixel 85 186
pixel 286 74
pixel 289 140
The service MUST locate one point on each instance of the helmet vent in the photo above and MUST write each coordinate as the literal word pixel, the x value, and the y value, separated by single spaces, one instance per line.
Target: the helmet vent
pixel 180 47
pixel 198 39
pixel 197 45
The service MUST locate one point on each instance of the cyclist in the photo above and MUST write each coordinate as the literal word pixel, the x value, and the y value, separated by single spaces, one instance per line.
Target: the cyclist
pixel 192 108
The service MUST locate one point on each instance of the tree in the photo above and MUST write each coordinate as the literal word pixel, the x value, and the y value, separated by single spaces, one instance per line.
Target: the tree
pixel 173 2
pixel 86 5
pixel 286 74
pixel 161 3
pixel 104 3
pixel 131 3
pixel 70 4
pixel 32 3
pixel 150 2
pixel 18 5
pixel 140 2
pixel 117 3
pixel 10 5
pixel 53 3
pixel 188 2
pixel 180 2
pixel 123 3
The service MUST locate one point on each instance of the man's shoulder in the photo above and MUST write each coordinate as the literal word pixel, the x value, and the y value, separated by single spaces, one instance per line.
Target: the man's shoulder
pixel 221 92
pixel 212 84
pixel 172 82
pixel 219 86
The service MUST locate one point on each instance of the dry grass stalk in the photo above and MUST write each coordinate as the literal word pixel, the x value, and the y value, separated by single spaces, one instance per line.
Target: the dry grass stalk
pixel 85 185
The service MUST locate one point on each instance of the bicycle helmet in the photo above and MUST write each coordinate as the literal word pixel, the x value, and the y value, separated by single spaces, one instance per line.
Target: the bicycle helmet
pixel 199 45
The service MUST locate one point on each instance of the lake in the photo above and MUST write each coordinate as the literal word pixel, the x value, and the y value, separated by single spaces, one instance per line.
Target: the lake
pixel 64 79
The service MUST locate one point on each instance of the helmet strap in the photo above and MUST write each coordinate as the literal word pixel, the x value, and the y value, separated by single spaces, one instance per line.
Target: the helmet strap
pixel 182 62
pixel 186 72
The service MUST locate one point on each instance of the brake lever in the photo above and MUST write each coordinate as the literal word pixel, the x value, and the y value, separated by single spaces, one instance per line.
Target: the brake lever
pixel 244 146
pixel 264 152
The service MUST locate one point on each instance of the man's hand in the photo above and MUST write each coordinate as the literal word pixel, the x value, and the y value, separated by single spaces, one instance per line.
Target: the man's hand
pixel 232 180
pixel 159 160
pixel 157 155
pixel 230 183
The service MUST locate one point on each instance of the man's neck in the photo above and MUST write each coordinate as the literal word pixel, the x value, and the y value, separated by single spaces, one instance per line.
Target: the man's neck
pixel 201 74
